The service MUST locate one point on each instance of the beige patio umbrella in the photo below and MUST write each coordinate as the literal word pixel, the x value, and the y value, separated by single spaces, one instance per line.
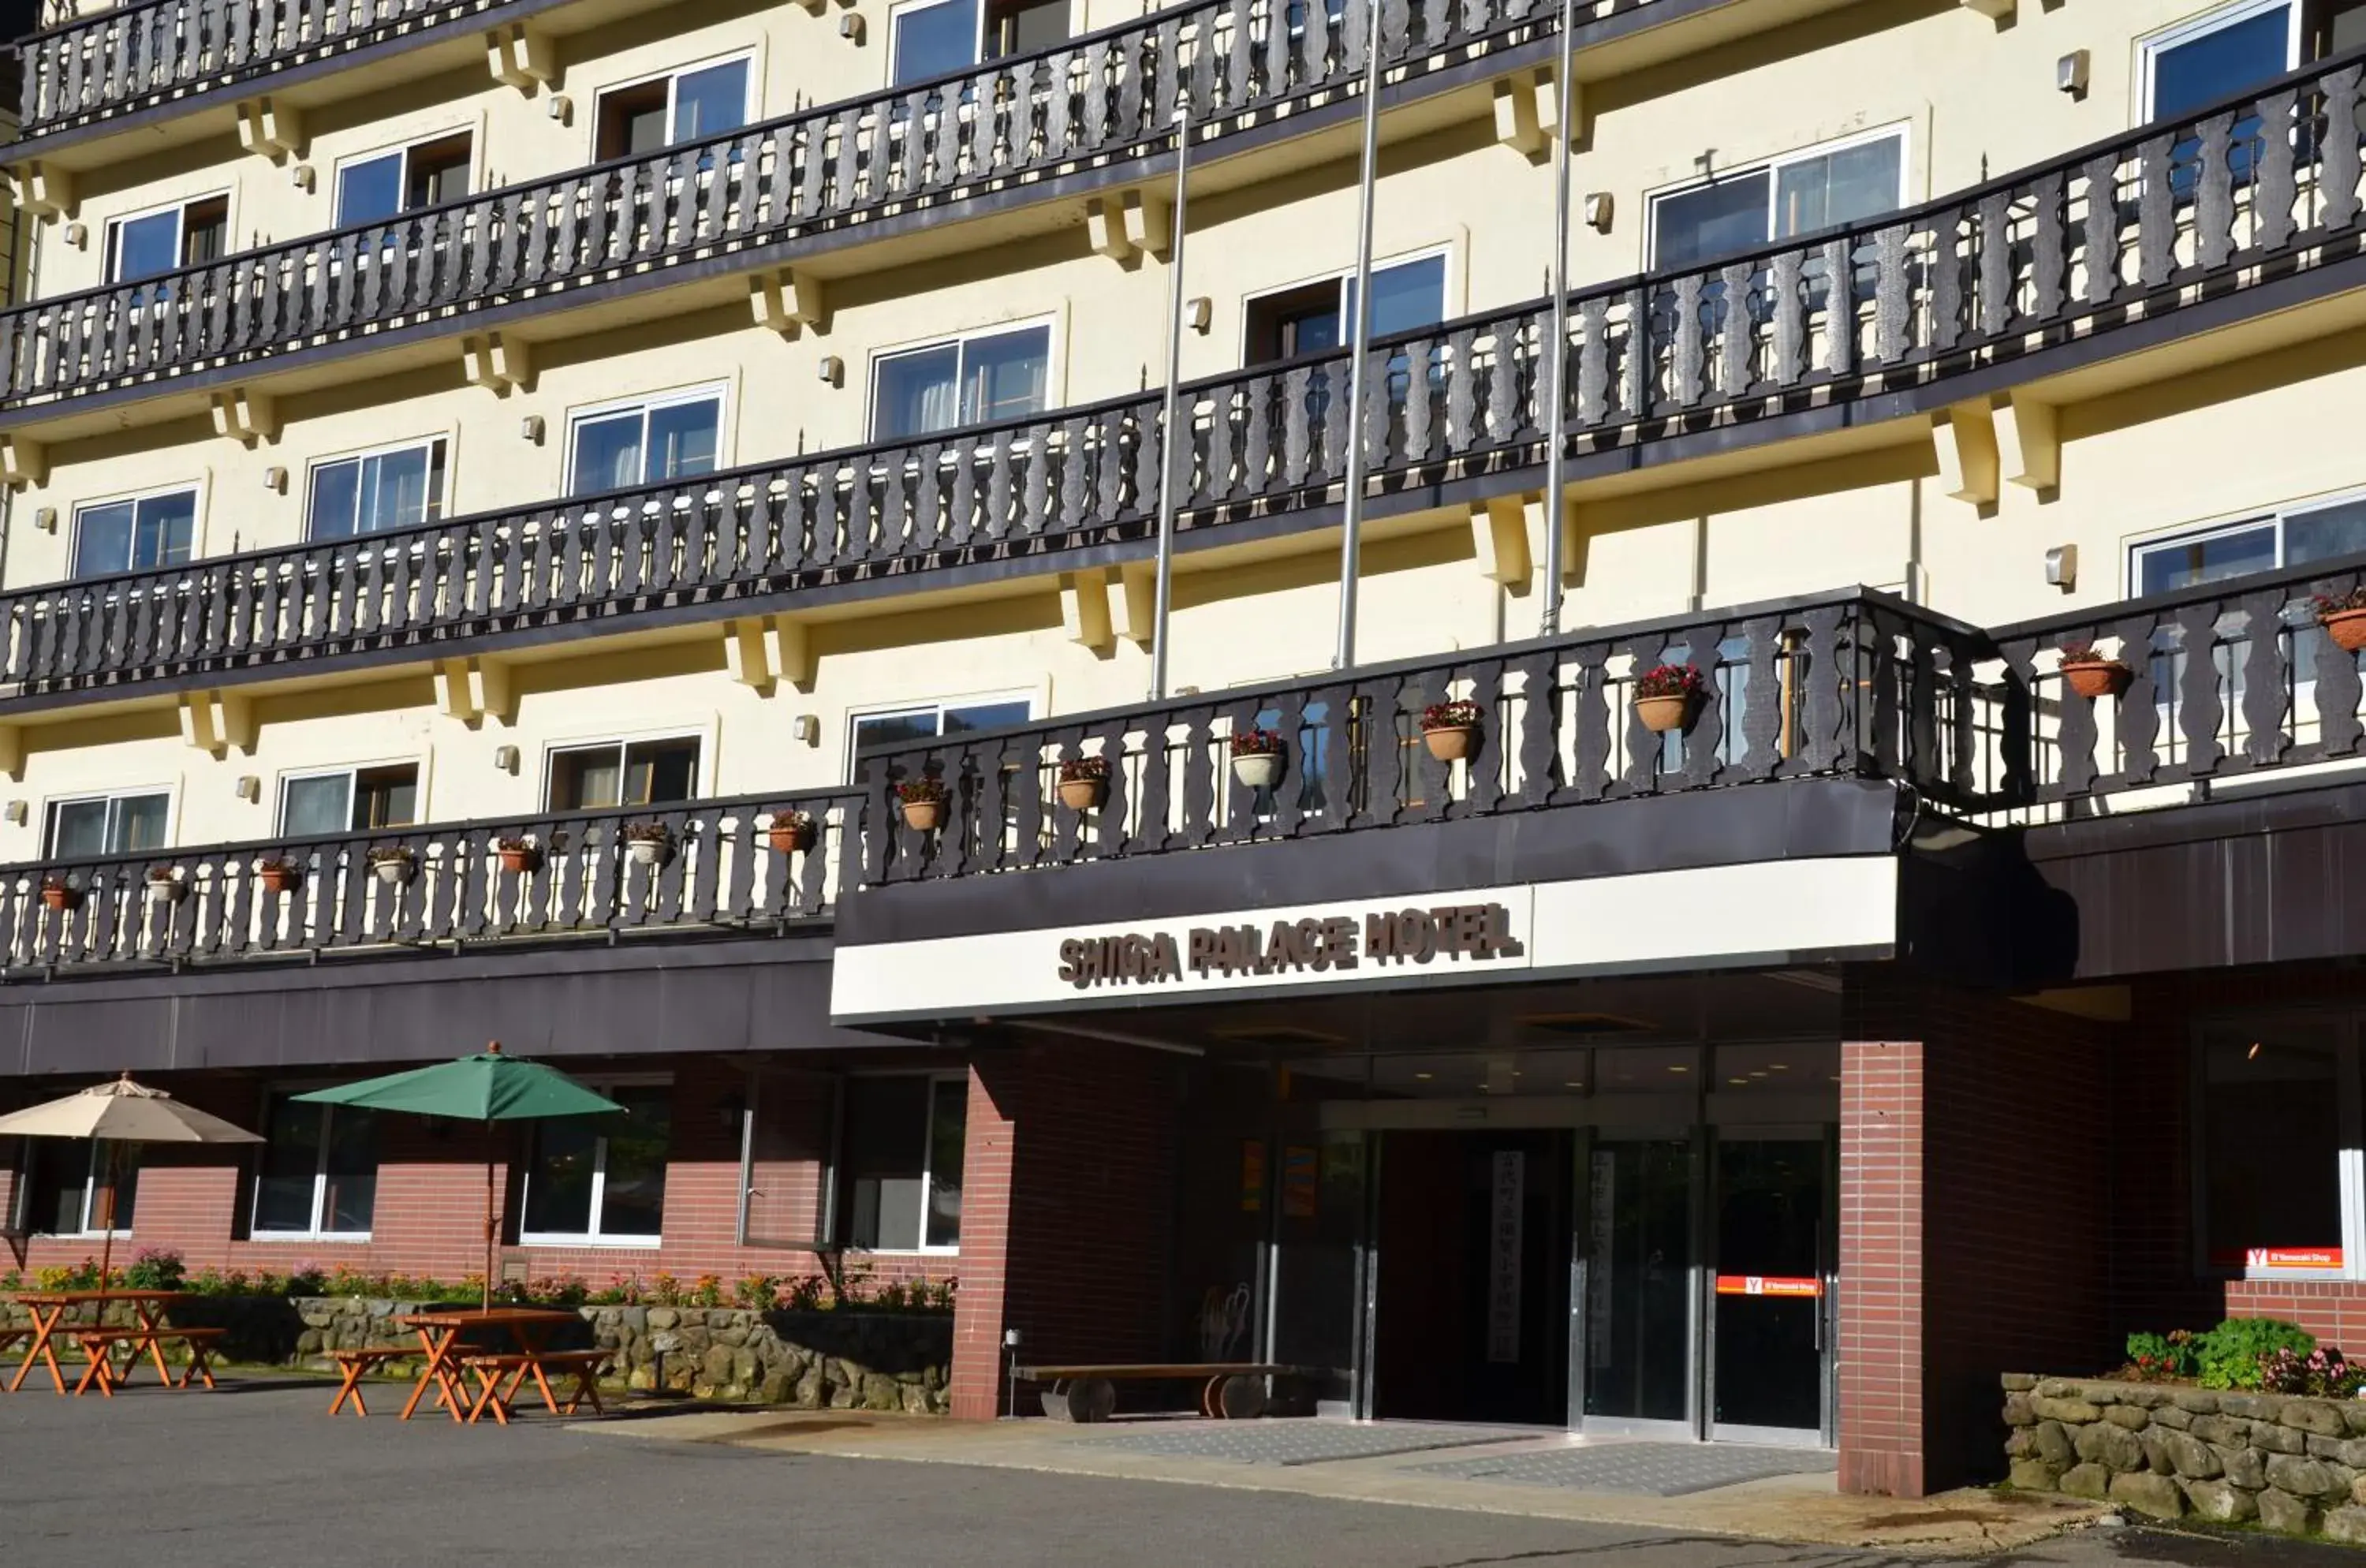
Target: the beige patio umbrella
pixel 120 1113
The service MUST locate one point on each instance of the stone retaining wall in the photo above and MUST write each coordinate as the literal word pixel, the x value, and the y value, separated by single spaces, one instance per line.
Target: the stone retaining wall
pixel 2292 1464
pixel 845 1359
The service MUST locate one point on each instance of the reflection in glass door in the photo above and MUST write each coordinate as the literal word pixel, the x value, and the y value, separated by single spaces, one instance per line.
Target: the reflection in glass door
pixel 1638 1326
pixel 1774 1237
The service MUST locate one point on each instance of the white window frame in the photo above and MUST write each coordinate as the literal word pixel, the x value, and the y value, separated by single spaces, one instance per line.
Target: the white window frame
pixel 2276 516
pixel 171 814
pixel 1034 697
pixel 1052 346
pixel 257 1231
pixel 437 510
pixel 1448 296
pixel 352 776
pixel 2150 47
pixel 751 97
pixel 599 1176
pixel 702 737
pixel 1901 132
pixel 403 150
pixel 22 1219
pixel 109 255
pixel 902 8
pixel 719 392
pixel 927 1167
pixel 195 489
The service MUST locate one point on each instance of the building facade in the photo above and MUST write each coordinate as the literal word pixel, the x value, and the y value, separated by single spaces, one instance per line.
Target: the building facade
pixel 516 510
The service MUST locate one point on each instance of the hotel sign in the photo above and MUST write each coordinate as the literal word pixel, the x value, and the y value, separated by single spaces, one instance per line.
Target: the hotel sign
pixel 1331 941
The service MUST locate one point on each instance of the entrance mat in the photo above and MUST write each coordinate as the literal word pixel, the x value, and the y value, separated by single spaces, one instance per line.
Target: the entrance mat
pixel 1651 1469
pixel 1301 1441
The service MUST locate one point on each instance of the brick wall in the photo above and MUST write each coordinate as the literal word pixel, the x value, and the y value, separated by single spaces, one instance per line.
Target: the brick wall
pixel 1881 1268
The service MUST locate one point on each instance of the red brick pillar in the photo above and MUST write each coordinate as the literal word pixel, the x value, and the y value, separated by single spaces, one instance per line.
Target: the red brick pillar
pixel 985 1238
pixel 1881 1417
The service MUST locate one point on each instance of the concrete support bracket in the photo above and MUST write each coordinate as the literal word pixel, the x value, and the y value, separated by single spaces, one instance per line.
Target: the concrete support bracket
pixel 522 55
pixel 1994 10
pixel 23 461
pixel 1137 606
pixel 470 689
pixel 42 190
pixel 783 300
pixel 1499 539
pixel 496 361
pixel 12 751
pixel 269 129
pixel 2029 444
pixel 244 415
pixel 1966 439
pixel 213 722
pixel 1084 609
pixel 1128 223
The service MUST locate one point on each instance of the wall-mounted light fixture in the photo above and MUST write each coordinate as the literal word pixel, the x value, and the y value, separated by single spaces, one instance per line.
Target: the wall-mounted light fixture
pixel 2062 567
pixel 1198 311
pixel 18 813
pixel 1600 205
pixel 730 1110
pixel 274 479
pixel 506 758
pixel 45 518
pixel 301 176
pixel 77 235
pixel 805 729
pixel 850 27
pixel 562 107
pixel 249 788
pixel 530 429
pixel 833 369
pixel 2070 73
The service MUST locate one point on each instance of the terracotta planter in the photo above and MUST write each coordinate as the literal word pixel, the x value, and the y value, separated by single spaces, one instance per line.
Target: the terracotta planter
pixel 1451 743
pixel 2092 678
pixel 276 878
pixel 648 852
pixel 2347 628
pixel 393 873
pixel 59 897
pixel 166 892
pixel 1083 794
pixel 924 816
pixel 521 859
pixel 786 838
pixel 1258 770
pixel 1660 715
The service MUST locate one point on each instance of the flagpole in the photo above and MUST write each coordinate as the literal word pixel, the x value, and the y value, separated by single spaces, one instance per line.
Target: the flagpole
pixel 1351 531
pixel 1557 338
pixel 1172 440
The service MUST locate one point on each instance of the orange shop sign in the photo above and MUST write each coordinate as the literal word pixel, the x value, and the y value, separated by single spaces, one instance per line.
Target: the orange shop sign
pixel 1768 1285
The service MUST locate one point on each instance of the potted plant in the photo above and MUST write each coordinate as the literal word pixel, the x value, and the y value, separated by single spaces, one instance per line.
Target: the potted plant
pixel 649 843
pixel 1084 783
pixel 791 831
pixel 165 886
pixel 1451 729
pixel 1258 757
pixel 922 801
pixel 2092 674
pixel 2343 616
pixel 393 864
pixel 1666 696
pixel 518 854
pixel 276 873
pixel 59 893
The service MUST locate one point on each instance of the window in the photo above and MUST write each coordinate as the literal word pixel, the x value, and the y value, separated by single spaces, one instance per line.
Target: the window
pixel 645 442
pixel 399 488
pixel 2276 1102
pixel 350 800
pixel 65 1186
pixel 140 534
pixel 903 1143
pixel 637 772
pixel 387 185
pixel 1798 194
pixel 669 110
pixel 939 38
pixel 318 1171
pixel 899 727
pixel 971 380
pixel 1309 319
pixel 2293 537
pixel 156 243
pixel 107 825
pixel 601 1179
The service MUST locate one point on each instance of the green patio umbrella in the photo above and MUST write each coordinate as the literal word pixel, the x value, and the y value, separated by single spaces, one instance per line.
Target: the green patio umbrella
pixel 486 1089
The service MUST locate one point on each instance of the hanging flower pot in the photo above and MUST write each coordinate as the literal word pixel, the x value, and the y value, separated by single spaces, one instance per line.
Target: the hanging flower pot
pixel 2344 619
pixel 59 894
pixel 163 888
pixel 393 864
pixel 1665 697
pixel 790 832
pixel 2090 674
pixel 649 843
pixel 517 855
pixel 1258 756
pixel 1084 783
pixel 1451 729
pixel 922 802
pixel 277 876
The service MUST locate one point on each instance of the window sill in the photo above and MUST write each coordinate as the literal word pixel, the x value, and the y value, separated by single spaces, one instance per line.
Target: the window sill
pixel 322 1238
pixel 617 1243
pixel 953 1251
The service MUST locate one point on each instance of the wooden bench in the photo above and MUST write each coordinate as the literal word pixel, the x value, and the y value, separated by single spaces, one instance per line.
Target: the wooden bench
pixel 351 1367
pixel 490 1368
pixel 1230 1391
pixel 99 1345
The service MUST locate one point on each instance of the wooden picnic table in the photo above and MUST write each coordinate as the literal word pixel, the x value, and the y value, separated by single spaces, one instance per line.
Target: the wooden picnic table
pixel 49 1309
pixel 448 1365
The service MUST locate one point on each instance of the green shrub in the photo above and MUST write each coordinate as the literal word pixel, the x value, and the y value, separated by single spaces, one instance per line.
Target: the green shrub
pixel 2169 1357
pixel 2234 1354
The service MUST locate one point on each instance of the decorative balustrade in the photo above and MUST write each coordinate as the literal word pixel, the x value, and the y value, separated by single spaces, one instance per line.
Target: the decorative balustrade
pixel 1863 686
pixel 1091 101
pixel 717 866
pixel 131 56
pixel 2215 682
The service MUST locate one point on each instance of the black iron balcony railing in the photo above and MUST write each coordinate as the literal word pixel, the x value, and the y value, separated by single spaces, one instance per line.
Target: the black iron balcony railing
pixel 132 56
pixel 2216 681
pixel 2130 232
pixel 753 864
pixel 1863 686
pixel 634 222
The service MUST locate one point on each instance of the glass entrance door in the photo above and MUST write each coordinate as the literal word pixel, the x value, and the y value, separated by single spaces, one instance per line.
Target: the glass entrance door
pixel 1769 1327
pixel 1638 1325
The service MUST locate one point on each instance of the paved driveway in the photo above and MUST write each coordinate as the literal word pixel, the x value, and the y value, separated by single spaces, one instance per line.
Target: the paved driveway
pixel 257 1476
